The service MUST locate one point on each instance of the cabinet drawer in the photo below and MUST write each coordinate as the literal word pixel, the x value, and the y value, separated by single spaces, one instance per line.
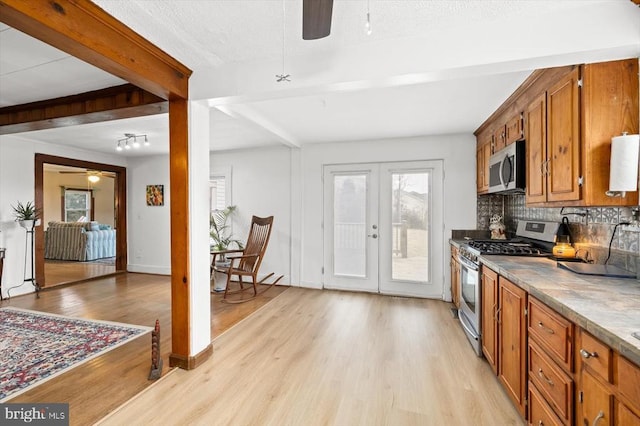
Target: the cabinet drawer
pixel 552 332
pixel 540 414
pixel 596 355
pixel 625 417
pixel 554 384
pixel 628 380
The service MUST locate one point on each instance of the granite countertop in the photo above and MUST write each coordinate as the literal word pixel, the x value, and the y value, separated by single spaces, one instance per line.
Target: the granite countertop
pixel 608 308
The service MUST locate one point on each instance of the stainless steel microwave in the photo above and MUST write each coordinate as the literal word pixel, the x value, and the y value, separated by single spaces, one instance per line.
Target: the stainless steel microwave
pixel 507 169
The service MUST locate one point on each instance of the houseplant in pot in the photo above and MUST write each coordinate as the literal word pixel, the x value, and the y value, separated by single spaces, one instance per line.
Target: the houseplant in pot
pixel 26 214
pixel 221 240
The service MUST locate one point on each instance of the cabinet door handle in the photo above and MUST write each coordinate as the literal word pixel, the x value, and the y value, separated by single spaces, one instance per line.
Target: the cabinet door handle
pixel 544 377
pixel 586 354
pixel 496 316
pixel 540 423
pixel 546 167
pixel 598 418
pixel 545 328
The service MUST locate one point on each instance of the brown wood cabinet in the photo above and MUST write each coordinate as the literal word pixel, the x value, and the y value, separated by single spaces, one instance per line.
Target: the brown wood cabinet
pixel 514 129
pixel 608 391
pixel 550 361
pixel 539 411
pixel 552 332
pixel 570 115
pixel 483 153
pixel 553 142
pixel 488 321
pixel 455 277
pixel 499 138
pixel 512 341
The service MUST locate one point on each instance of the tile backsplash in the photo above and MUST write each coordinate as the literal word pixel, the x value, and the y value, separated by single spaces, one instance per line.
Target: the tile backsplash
pixel 591 227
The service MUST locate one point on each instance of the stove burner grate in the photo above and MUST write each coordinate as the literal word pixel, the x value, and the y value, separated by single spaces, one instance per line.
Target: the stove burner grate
pixel 509 248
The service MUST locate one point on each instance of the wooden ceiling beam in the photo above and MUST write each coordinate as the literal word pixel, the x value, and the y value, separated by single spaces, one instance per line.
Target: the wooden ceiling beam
pixel 112 103
pixel 82 29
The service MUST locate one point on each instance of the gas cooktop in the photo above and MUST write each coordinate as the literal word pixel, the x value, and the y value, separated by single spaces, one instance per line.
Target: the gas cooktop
pixel 514 247
pixel 533 238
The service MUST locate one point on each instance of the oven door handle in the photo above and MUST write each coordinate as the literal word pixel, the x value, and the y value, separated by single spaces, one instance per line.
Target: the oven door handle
pixel 467 327
pixel 468 264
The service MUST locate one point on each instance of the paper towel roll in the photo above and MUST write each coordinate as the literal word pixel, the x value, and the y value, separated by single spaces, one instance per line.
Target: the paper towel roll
pixel 624 163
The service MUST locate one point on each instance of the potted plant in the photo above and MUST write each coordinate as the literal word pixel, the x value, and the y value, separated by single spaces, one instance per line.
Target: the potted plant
pixel 221 240
pixel 26 214
pixel 220 231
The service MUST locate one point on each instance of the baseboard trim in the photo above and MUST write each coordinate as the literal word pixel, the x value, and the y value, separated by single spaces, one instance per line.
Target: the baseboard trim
pixel 148 269
pixel 192 362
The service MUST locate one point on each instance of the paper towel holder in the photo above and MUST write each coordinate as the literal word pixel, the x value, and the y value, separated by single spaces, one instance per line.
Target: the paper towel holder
pixel 623 176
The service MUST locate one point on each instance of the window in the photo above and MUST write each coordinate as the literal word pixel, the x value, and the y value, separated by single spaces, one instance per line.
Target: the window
pixel 77 204
pixel 219 189
pixel 218 192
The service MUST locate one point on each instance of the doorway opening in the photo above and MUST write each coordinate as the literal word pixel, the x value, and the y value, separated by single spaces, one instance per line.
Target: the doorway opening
pixel 96 208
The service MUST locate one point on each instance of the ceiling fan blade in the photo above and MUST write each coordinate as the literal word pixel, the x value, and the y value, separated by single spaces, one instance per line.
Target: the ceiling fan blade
pixel 316 18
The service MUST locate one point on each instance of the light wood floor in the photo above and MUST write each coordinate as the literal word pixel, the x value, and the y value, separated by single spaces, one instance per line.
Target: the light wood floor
pixel 97 387
pixel 314 357
pixel 58 272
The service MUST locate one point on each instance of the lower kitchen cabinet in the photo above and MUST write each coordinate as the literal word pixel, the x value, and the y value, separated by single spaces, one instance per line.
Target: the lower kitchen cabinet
pixel 596 401
pixel 608 385
pixel 554 372
pixel 539 411
pixel 626 417
pixel 550 360
pixel 489 322
pixel 512 341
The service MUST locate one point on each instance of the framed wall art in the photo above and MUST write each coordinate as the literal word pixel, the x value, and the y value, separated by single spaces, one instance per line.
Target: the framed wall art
pixel 155 195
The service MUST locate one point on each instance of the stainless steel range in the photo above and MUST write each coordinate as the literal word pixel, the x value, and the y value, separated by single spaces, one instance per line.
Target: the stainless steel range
pixel 533 238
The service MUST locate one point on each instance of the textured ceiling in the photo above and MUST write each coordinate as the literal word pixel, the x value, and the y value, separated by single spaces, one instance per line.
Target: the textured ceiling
pixel 429 67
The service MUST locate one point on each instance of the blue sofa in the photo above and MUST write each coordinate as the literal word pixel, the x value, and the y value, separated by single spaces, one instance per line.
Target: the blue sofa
pixel 80 241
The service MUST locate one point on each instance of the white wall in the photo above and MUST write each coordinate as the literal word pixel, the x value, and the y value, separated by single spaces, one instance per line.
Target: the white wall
pixel 457 152
pixel 148 227
pixel 103 194
pixel 17 159
pixel 288 184
pixel 261 186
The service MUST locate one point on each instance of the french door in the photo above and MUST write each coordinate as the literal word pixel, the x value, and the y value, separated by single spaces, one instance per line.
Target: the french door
pixel 383 228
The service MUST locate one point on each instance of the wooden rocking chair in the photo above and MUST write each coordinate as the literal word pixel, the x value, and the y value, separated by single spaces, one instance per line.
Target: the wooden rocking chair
pixel 247 262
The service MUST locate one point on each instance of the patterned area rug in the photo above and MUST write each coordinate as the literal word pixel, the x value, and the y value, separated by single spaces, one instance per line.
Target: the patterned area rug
pixel 37 346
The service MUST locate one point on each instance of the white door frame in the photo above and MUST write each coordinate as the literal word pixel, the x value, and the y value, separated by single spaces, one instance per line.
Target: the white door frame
pixel 434 286
pixel 378 269
pixel 368 282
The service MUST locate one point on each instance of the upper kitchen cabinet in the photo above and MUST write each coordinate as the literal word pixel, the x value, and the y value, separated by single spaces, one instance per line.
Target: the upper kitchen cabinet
pixel 514 129
pixel 483 152
pixel 569 116
pixel 499 138
pixel 553 143
pixel 609 107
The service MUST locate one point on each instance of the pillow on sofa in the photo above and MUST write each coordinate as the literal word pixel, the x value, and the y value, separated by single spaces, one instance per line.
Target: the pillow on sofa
pixel 104 227
pixel 93 226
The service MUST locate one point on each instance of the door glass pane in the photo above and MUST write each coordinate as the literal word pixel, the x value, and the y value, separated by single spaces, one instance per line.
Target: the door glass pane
pixel 410 226
pixel 349 225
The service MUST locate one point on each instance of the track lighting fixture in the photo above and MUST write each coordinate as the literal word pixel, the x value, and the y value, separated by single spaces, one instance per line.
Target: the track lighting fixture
pixel 131 141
